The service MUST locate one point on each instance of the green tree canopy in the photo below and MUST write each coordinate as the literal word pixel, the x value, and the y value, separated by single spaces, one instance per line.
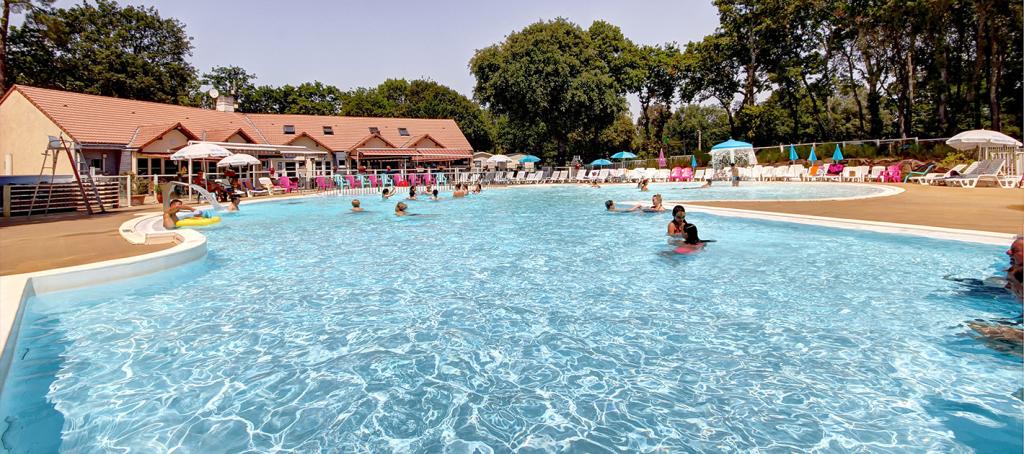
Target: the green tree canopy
pixel 105 49
pixel 310 98
pixel 422 99
pixel 551 75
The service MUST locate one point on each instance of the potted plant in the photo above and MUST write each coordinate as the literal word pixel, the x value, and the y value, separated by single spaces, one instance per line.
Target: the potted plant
pixel 140 188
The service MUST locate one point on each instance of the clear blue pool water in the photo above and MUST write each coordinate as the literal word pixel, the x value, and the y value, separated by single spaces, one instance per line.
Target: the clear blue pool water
pixel 522 320
pixel 745 191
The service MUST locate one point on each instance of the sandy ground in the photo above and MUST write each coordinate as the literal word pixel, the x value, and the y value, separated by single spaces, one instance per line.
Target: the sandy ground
pixel 46 242
pixel 986 209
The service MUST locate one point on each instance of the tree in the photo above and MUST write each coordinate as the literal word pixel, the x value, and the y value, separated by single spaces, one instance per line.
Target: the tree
pixel 13 7
pixel 231 80
pixel 552 76
pixel 105 49
pixel 659 73
pixel 309 98
pixel 422 99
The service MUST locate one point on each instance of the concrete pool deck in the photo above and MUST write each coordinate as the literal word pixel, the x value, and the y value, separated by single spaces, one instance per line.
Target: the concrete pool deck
pixel 56 241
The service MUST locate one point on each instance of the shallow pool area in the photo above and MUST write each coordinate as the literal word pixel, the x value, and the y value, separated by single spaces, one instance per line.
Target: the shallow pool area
pixel 524 320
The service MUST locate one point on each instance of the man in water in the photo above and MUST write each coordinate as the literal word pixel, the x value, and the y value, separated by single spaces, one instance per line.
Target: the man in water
pixel 355 206
pixel 610 206
pixel 233 206
pixel 1014 277
pixel 171 215
pixel 459 192
pixel 433 196
pixel 386 193
pixel 478 188
pixel 735 171
pixel 400 209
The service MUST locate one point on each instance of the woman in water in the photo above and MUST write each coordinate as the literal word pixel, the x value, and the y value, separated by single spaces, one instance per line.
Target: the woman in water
pixel 656 205
pixel 386 193
pixel 412 193
pixel 682 233
pixel 643 185
pixel 478 188
pixel 433 195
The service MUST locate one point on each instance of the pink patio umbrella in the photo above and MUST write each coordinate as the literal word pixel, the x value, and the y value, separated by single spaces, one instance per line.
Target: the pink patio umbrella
pixel 662 162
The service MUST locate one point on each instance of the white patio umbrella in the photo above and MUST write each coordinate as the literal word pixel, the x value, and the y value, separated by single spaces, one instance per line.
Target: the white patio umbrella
pixel 239 160
pixel 498 158
pixel 981 138
pixel 200 150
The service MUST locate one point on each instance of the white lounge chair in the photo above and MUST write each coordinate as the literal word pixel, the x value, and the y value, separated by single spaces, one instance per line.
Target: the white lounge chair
pixel 698 175
pixel 270 186
pixel 875 173
pixel 989 169
pixel 934 176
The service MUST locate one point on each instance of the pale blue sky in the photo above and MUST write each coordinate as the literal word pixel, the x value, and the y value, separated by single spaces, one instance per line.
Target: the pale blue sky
pixel 360 43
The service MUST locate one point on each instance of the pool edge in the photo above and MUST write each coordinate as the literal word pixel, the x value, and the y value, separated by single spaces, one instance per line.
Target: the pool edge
pixel 15 289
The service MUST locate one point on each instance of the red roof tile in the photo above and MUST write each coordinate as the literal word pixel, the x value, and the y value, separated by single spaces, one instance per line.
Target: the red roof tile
pixel 106 120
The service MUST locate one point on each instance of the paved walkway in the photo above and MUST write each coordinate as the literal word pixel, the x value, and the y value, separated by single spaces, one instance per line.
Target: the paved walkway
pixel 46 242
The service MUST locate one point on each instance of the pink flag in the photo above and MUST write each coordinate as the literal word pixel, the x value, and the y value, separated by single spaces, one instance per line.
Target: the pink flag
pixel 662 162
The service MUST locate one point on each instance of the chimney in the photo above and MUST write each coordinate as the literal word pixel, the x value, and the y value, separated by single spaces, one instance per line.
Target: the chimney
pixel 226 103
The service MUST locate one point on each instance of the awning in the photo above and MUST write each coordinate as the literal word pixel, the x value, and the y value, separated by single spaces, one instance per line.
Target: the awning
pixel 442 155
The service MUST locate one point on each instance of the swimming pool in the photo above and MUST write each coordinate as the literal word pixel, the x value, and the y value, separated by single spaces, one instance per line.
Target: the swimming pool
pixel 522 319
pixel 747 190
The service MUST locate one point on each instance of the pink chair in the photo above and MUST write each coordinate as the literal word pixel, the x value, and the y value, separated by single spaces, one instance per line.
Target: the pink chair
pixel 892 174
pixel 287 184
pixel 428 179
pixel 322 184
pixel 400 181
pixel 413 180
pixel 676 175
pixel 374 182
pixel 352 182
pixel 687 174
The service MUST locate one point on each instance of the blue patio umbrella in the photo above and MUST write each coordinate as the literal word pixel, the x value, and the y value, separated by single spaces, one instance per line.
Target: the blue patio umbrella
pixel 693 161
pixel 529 158
pixel 623 155
pixel 837 155
pixel 601 162
pixel 813 157
pixel 792 153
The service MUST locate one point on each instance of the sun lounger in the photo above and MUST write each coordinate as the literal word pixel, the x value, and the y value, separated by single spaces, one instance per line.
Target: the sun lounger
pixel 989 169
pixel 251 190
pixel 269 185
pixel 875 173
pixel 919 172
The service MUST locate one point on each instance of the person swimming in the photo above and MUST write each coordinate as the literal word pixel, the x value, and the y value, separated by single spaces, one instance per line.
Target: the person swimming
pixel 609 205
pixel 386 193
pixel 400 209
pixel 478 188
pixel 412 193
pixel 433 195
pixel 355 206
pixel 171 215
pixel 656 205
pixel 459 192
pixel 643 185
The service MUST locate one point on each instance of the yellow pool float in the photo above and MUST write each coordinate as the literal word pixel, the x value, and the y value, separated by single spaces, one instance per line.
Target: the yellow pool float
pixel 197 222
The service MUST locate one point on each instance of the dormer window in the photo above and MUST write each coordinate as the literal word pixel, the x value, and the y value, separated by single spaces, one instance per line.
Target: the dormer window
pixel 403 132
pixel 328 131
pixel 374 130
pixel 289 129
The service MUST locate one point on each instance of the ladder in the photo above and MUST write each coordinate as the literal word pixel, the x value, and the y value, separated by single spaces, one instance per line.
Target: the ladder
pixel 51 156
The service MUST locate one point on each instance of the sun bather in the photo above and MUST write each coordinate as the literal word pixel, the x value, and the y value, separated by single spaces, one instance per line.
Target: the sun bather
pixel 171 215
pixel 355 206
pixel 609 205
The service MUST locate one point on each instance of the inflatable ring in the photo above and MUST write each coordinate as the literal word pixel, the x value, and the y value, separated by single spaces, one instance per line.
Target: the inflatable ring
pixel 197 222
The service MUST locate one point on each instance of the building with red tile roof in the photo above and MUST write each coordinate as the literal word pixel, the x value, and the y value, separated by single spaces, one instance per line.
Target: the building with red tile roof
pixel 122 135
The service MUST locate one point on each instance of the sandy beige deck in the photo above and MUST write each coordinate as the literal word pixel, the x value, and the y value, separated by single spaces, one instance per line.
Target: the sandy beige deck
pixel 56 241
pixel 47 242
pixel 986 209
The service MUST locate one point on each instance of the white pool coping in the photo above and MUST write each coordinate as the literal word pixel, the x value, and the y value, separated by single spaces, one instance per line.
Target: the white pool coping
pixel 191 245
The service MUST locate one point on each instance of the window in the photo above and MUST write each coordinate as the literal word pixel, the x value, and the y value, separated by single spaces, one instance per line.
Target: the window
pixel 403 132
pixel 328 131
pixel 374 130
pixel 289 129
